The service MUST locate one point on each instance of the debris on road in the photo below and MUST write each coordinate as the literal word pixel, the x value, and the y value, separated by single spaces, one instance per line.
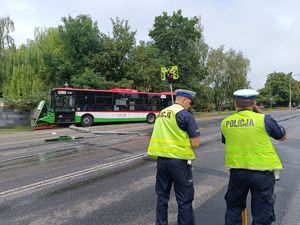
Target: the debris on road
pixel 79 128
pixel 117 133
pixel 63 138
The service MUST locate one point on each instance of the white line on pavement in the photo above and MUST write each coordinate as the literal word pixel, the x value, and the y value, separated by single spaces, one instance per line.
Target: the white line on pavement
pixel 69 176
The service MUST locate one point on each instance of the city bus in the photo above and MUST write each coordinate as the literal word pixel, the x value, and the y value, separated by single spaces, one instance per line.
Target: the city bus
pixel 89 106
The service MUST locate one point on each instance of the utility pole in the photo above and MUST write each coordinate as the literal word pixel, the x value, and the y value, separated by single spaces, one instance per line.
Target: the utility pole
pixel 290 90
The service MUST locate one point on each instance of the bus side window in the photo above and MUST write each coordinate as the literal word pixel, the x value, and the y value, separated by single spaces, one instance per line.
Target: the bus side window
pixel 104 103
pixel 121 104
pixel 137 104
pixel 132 104
pixel 155 104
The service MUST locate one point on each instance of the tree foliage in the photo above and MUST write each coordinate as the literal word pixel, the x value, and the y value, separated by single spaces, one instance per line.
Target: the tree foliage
pixel 180 42
pixel 80 42
pixel 114 61
pixel 6 27
pixel 277 90
pixel 6 41
pixel 48 43
pixel 227 72
pixel 144 68
pixel 171 34
pixel 24 87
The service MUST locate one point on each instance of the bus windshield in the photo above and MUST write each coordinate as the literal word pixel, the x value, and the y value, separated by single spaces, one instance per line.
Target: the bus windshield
pixel 65 103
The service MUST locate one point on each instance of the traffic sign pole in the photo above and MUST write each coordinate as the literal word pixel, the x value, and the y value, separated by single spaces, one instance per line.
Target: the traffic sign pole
pixel 171 88
pixel 169 74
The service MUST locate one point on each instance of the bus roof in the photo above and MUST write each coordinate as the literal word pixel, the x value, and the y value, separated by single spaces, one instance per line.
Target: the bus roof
pixel 114 90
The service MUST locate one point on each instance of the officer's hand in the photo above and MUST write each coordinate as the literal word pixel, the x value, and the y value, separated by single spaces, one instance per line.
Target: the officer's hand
pixel 256 109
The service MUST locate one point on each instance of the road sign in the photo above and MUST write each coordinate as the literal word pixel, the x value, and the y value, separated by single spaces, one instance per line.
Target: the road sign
pixel 169 73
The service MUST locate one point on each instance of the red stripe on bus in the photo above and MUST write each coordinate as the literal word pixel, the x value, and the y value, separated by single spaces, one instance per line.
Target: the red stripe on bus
pixel 115 90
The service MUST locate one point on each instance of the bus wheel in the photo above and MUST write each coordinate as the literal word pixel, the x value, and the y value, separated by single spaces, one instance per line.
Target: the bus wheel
pixel 151 118
pixel 86 121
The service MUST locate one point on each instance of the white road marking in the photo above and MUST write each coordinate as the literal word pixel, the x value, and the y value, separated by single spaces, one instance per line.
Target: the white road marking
pixel 69 176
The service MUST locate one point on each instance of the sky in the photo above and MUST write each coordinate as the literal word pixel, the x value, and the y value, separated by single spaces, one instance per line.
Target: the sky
pixel 267 32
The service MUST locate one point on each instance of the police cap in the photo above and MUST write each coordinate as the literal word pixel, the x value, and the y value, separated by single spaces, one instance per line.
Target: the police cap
pixel 245 94
pixel 185 93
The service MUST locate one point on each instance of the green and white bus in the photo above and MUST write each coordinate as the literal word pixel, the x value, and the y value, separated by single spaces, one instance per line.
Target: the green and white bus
pixel 89 106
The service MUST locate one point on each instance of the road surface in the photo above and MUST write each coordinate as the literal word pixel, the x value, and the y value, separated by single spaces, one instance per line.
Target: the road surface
pixel 107 180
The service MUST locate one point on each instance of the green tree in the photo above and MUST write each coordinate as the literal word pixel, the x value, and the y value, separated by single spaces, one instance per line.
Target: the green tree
pixel 87 79
pixel 276 89
pixel 114 61
pixel 80 41
pixel 6 27
pixel 6 41
pixel 51 56
pixel 227 73
pixel 217 75
pixel 28 77
pixel 144 69
pixel 180 42
pixel 24 87
pixel 295 87
pixel 171 34
pixel 237 68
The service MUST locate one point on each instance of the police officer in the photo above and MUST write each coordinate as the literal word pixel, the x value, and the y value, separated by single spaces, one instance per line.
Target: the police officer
pixel 174 137
pixel 252 160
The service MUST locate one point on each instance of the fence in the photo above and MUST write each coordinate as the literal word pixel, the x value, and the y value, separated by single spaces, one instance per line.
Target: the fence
pixel 14 118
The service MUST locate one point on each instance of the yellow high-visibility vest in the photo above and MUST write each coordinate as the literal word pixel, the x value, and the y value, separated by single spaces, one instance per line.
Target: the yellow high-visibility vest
pixel 247 144
pixel 167 139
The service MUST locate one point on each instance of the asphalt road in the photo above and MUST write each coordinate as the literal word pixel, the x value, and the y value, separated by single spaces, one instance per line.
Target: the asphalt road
pixel 107 180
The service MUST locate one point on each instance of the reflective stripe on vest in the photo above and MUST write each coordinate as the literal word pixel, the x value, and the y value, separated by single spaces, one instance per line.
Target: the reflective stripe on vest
pixel 247 144
pixel 167 139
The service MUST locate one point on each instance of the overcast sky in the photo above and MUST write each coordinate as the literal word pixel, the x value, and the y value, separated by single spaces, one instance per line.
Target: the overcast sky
pixel 266 31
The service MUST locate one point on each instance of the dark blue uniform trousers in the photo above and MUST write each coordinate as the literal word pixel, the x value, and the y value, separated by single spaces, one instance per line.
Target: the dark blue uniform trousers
pixel 261 186
pixel 177 172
